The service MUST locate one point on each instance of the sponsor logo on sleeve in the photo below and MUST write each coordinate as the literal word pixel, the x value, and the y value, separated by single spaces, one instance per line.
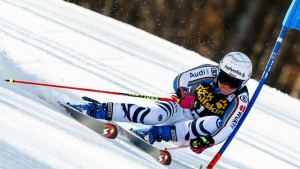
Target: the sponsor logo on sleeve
pixel 230 97
pixel 243 108
pixel 201 72
pixel 244 98
pixel 219 123
pixel 214 71
pixel 236 120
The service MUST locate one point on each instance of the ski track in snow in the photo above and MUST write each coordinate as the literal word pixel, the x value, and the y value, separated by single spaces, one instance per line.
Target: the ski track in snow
pixel 117 58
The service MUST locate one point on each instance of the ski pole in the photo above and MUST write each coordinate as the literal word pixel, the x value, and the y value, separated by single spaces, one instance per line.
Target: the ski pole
pixel 93 90
pixel 174 148
pixel 291 21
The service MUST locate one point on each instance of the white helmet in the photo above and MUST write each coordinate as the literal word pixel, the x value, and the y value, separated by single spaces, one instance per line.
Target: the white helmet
pixel 235 70
pixel 237 65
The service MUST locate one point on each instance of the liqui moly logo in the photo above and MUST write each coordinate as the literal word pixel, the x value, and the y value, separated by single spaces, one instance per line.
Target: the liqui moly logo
pixel 234 71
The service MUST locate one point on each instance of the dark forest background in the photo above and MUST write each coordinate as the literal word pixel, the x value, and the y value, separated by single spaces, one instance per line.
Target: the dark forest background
pixel 216 27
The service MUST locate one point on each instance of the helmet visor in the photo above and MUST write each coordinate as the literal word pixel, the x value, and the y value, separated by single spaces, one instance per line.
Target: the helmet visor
pixel 225 78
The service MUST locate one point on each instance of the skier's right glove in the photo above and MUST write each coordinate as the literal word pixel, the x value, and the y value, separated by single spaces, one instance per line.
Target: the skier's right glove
pixel 187 99
pixel 199 144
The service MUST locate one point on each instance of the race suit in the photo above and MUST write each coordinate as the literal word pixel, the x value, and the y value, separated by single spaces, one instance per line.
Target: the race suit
pixel 213 113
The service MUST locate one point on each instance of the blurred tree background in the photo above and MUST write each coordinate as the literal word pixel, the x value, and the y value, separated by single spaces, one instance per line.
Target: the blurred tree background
pixel 214 28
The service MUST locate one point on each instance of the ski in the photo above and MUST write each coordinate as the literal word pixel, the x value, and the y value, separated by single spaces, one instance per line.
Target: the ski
pixel 104 128
pixel 162 156
pixel 111 130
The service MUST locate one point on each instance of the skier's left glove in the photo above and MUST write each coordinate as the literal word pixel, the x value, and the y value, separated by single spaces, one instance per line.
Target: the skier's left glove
pixel 199 144
pixel 186 98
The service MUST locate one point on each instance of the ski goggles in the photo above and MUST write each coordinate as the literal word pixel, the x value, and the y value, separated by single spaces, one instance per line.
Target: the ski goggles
pixel 225 78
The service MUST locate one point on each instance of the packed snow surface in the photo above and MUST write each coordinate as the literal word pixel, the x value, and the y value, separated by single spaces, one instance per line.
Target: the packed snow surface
pixel 56 42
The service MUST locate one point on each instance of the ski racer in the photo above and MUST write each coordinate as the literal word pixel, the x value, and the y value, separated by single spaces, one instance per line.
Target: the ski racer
pixel 212 99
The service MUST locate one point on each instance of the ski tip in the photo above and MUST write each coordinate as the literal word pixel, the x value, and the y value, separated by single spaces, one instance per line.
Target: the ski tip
pixel 165 157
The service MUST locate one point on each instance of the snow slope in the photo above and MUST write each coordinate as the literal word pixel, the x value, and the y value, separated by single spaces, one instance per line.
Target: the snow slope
pixel 52 41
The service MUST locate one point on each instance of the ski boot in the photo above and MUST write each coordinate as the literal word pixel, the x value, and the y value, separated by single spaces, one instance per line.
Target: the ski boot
pixel 157 133
pixel 95 109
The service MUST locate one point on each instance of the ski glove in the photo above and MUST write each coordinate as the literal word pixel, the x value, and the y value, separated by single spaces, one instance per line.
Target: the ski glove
pixel 198 145
pixel 187 99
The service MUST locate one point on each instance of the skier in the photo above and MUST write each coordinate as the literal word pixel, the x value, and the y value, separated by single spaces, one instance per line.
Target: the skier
pixel 212 99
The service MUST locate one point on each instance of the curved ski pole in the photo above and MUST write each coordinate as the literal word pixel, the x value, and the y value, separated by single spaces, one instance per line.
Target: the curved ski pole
pixel 93 90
